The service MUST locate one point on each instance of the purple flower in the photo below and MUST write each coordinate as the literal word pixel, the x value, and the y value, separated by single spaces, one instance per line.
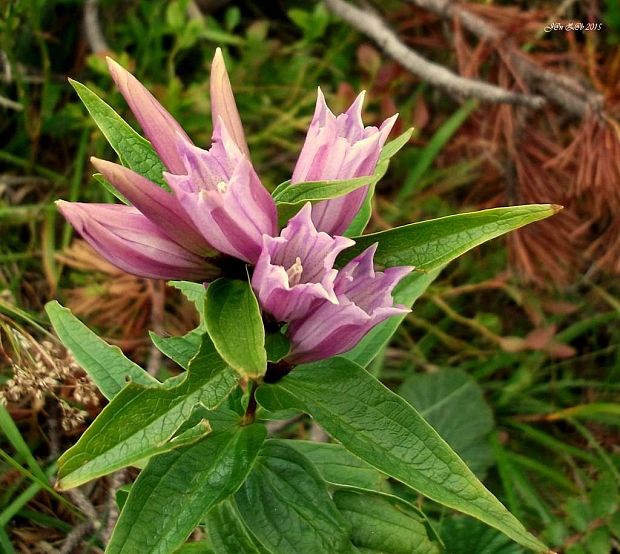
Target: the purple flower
pixel 223 196
pixel 364 300
pixel 295 270
pixel 339 148
pixel 159 206
pixel 223 104
pixel 130 241
pixel 158 125
pixel 162 129
pixel 217 201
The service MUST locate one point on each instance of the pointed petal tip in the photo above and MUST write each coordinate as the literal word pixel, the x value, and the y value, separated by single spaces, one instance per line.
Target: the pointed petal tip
pixel 223 105
pixel 98 162
pixel 218 57
pixel 111 171
pixel 69 212
pixel 113 66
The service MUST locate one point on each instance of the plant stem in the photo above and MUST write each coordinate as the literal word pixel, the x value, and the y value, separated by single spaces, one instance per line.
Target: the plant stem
pixel 250 412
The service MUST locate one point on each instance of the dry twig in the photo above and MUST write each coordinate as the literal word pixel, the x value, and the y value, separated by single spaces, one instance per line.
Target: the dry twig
pixel 92 28
pixel 370 24
pixel 559 89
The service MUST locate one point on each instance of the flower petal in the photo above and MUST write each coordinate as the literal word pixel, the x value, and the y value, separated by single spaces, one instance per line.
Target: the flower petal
pixel 295 270
pixel 127 239
pixel 224 197
pixel 223 104
pixel 158 125
pixel 339 148
pixel 160 207
pixel 364 300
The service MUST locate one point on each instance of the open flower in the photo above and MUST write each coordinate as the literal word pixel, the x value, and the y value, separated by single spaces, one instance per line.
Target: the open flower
pixel 364 300
pixel 217 201
pixel 339 148
pixel 295 270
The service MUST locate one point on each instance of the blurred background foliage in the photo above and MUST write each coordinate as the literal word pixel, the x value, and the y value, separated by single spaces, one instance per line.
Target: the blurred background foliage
pixel 512 354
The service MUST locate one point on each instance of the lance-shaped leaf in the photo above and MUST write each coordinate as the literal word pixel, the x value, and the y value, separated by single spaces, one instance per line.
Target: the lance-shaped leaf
pixel 384 430
pixel 105 364
pixel 179 349
pixel 313 191
pixel 290 198
pixel 339 467
pixel 174 492
pixel 286 505
pixel 462 535
pixel 234 323
pixel 133 150
pixel 431 244
pixel 140 421
pixel 382 525
pixel 195 293
pixel 454 404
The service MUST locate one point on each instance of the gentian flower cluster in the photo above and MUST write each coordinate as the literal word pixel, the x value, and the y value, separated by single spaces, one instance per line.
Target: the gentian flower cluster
pixel 217 207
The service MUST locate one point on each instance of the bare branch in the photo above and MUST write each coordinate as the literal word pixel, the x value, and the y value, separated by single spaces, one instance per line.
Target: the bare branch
pixel 92 28
pixel 10 104
pixel 560 89
pixel 370 24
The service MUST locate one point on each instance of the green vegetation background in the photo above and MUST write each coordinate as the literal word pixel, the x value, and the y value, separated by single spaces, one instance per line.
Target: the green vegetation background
pixel 521 379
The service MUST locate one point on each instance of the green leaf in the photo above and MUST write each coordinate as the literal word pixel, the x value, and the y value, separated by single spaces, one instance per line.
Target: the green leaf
pixel 343 470
pixel 121 495
pixel 10 430
pixel 394 146
pixel 110 188
pixel 384 430
pixel 454 404
pixel 406 293
pixel 282 186
pixel 106 365
pixel 195 293
pixel 133 150
pixel 604 496
pixel 292 198
pixel 285 503
pixel 277 346
pixel 379 525
pixel 179 349
pixel 140 421
pixel 462 535
pixel 339 467
pixel 235 325
pixel 315 191
pixel 362 217
pixel 431 244
pixel 175 490
pixel 228 533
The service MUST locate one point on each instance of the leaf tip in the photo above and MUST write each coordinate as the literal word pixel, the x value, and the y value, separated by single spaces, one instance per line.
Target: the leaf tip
pixel 60 485
pixel 556 208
